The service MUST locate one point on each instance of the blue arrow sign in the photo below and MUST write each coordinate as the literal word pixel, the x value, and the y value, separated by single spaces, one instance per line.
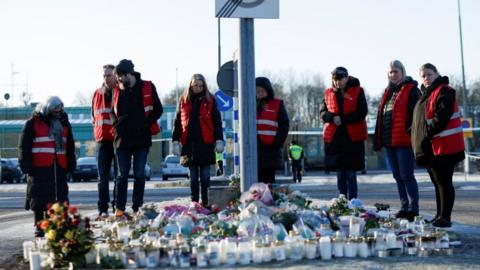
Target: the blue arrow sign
pixel 224 101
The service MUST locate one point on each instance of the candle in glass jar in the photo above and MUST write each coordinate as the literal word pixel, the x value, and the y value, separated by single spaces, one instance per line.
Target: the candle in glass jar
pixel 27 247
pixel 202 257
pixel 363 250
pixel 257 254
pixel 244 251
pixel 325 248
pixel 350 248
pixel 35 260
pixel 230 252
pixel 311 248
pixel 280 254
pixel 213 253
pixel 338 243
pixel 354 227
pixel 391 240
pixel 267 252
pixel 152 258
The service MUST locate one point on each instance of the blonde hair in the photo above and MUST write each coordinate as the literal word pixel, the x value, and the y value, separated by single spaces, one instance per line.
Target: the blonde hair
pixel 399 65
pixel 187 93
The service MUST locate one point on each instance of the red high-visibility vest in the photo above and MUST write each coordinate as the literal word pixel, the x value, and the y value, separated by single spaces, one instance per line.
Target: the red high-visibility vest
pixel 102 124
pixel 357 131
pixel 206 122
pixel 400 137
pixel 147 91
pixel 43 148
pixel 449 140
pixel 267 121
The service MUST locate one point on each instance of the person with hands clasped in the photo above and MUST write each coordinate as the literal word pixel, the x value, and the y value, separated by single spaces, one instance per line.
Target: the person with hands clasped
pixel 197 133
pixel 343 111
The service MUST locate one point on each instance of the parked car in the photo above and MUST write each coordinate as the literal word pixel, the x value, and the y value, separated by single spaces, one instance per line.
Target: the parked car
pixel 23 176
pixel 86 169
pixel 11 171
pixel 148 171
pixel 172 168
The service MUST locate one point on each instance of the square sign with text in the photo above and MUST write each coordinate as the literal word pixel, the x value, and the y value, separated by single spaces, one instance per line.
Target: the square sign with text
pixel 266 9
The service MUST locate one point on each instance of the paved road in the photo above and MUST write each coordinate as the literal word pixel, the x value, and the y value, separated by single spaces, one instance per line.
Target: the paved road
pixel 16 224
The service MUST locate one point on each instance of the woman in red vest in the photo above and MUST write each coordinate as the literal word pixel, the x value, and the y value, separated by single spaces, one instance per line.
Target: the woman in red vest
pixel 437 138
pixel 272 130
pixel 197 133
pixel 345 130
pixel 46 155
pixel 392 131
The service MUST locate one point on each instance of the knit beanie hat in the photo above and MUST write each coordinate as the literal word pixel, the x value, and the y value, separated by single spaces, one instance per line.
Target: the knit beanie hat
pixel 339 73
pixel 124 67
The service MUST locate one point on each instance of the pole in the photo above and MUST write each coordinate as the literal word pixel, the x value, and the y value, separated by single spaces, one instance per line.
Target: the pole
pixel 176 85
pixel 248 128
pixel 464 90
pixel 219 46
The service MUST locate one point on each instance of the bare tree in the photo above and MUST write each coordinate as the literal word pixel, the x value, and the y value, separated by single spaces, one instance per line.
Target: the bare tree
pixel 171 97
pixel 26 98
pixel 81 99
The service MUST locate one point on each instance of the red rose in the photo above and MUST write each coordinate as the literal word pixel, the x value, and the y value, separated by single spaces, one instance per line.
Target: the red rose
pixel 44 224
pixel 75 221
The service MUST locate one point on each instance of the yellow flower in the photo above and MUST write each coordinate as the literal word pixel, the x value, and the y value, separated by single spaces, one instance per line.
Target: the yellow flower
pixel 69 235
pixel 51 235
pixel 56 207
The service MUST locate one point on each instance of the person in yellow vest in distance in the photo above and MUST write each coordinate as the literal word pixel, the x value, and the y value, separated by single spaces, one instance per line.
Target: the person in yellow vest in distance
pixel 295 154
pixel 219 161
pixel 47 155
pixel 272 130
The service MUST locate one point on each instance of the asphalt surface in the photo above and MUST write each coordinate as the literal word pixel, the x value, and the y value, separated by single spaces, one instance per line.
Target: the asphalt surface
pixel 16 224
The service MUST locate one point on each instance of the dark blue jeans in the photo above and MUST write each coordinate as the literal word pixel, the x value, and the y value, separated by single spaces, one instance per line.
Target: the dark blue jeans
pixel 105 156
pixel 402 162
pixel 202 172
pixel 124 162
pixel 347 183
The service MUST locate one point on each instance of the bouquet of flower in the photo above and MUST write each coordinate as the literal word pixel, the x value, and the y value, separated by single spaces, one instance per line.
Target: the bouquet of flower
pixel 69 237
pixel 339 206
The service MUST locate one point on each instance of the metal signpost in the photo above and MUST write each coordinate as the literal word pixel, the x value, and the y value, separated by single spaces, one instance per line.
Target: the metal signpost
pixel 246 10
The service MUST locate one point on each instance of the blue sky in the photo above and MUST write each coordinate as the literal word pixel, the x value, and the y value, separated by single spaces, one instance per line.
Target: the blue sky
pixel 61 45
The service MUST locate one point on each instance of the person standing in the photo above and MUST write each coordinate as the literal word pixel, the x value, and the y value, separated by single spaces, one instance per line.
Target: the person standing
pixel 295 154
pixel 437 138
pixel 197 134
pixel 392 131
pixel 103 133
pixel 136 109
pixel 343 111
pixel 272 130
pixel 47 156
pixel 219 161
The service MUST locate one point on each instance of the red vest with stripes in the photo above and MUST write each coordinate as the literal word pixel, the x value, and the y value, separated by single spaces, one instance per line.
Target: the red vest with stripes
pixel 267 122
pixel 102 124
pixel 400 137
pixel 205 118
pixel 147 92
pixel 357 131
pixel 43 148
pixel 449 140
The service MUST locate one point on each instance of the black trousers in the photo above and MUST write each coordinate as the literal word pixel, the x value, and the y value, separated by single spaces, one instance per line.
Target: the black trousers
pixel 105 157
pixel 297 170
pixel 266 175
pixel 441 177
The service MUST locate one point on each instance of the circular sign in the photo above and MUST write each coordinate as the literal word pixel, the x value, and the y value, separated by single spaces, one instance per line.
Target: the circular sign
pixel 6 96
pixel 250 3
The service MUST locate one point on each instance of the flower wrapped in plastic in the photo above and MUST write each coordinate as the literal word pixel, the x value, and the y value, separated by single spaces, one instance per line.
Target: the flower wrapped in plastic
pixel 256 226
pixel 258 191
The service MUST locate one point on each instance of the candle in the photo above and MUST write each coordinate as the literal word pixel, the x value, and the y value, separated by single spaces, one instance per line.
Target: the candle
pixel 27 248
pixel 257 253
pixel 354 227
pixel 152 258
pixel 311 248
pixel 363 250
pixel 213 253
pixel 280 254
pixel 350 248
pixel 338 243
pixel 325 248
pixel 391 240
pixel 230 251
pixel 244 251
pixel 35 261
pixel 202 256
pixel 267 252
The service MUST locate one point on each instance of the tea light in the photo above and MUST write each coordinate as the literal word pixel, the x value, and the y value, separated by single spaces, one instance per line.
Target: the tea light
pixel 363 250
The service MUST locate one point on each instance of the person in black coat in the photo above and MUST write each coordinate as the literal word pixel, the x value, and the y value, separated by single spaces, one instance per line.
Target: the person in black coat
pixel 47 156
pixel 344 130
pixel 272 130
pixel 197 133
pixel 437 138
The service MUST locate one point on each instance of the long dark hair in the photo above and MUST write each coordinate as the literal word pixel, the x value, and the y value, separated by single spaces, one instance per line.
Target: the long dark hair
pixel 187 93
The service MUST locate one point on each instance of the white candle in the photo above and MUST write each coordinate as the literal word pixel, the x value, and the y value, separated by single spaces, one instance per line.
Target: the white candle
pixel 257 254
pixel 354 227
pixel 230 251
pixel 35 261
pixel 391 240
pixel 213 253
pixel 280 254
pixel 350 249
pixel 27 247
pixel 338 244
pixel 266 253
pixel 244 252
pixel 363 249
pixel 311 249
pixel 325 248
pixel 152 258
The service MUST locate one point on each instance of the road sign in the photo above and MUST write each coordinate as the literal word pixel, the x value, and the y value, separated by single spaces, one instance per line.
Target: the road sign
pixel 225 78
pixel 266 9
pixel 6 96
pixel 224 101
pixel 467 123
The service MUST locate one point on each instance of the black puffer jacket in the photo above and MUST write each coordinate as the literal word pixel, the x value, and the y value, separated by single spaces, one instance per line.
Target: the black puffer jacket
pixel 269 156
pixel 41 181
pixel 342 153
pixel 422 133
pixel 132 128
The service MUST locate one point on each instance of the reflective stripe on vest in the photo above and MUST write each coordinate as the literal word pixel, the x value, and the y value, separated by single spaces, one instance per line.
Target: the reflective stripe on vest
pixel 102 124
pixel 43 148
pixel 267 124
pixel 450 140
pixel 296 151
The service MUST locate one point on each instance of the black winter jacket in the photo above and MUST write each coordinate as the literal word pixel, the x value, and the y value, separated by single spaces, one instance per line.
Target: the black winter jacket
pixel 342 153
pixel 41 181
pixel 132 128
pixel 422 133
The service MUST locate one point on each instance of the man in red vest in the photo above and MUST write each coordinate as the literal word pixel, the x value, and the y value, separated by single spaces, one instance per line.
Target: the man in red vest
pixel 103 133
pixel 47 156
pixel 272 130
pixel 136 109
